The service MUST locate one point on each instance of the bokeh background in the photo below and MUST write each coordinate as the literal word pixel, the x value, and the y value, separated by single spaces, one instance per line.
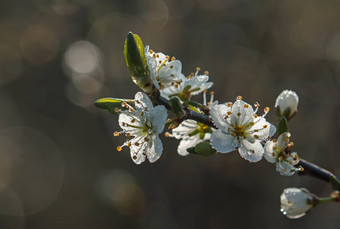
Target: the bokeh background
pixel 58 163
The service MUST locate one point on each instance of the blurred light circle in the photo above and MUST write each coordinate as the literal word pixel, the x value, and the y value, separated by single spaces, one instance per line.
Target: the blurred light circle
pixel 89 83
pixel 10 62
pixel 82 57
pixel 120 188
pixel 39 44
pixel 36 174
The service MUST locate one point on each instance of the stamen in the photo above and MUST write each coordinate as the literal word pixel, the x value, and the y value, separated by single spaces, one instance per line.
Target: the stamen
pixel 229 104
pixel 119 148
pixel 134 157
pixel 167 134
pixel 246 105
pixel 173 58
pixel 116 134
pixel 239 97
pixel 206 72
pixel 198 69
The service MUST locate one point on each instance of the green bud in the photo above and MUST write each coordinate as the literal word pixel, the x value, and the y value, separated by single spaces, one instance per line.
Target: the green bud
pixel 113 105
pixel 282 127
pixel 176 107
pixel 203 148
pixel 136 62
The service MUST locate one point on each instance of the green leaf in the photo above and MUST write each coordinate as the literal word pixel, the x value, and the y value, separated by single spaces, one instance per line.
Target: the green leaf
pixel 335 183
pixel 112 104
pixel 203 148
pixel 136 62
pixel 282 127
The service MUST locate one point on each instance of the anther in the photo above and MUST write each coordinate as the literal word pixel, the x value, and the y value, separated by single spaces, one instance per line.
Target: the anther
pixel 119 148
pixel 255 115
pixel 167 134
pixel 173 58
pixel 171 66
pixel 167 57
pixel 129 144
pixel 238 114
pixel 239 97
pixel 206 72
pixel 246 105
pixel 229 112
pixel 134 157
pixel 256 136
pixel 146 139
pixel 265 126
pixel 205 90
pixel 127 135
pixel 133 120
pixel 274 140
pixel 229 104
pixel 136 144
pixel 115 134
pixel 198 69
pixel 212 92
pixel 266 109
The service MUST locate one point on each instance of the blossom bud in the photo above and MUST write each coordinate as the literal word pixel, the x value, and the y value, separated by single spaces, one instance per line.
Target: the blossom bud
pixel 296 202
pixel 136 62
pixel 286 104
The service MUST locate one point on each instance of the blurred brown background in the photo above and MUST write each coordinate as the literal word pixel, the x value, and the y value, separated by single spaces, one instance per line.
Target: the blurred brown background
pixel 58 164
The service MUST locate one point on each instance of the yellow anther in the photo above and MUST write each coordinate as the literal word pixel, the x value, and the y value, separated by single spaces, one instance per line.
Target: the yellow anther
pixel 212 92
pixel 256 136
pixel 229 104
pixel 173 58
pixel 129 144
pixel 286 139
pixel 205 90
pixel 284 170
pixel 238 114
pixel 206 72
pixel 136 144
pixel 171 66
pixel 192 74
pixel 265 126
pixel 167 57
pixel 255 115
pixel 127 135
pixel 133 120
pixel 116 134
pixel 160 61
pixel 302 169
pixel 246 105
pixel 239 97
pixel 119 148
pixel 274 140
pixel 134 157
pixel 157 56
pixel 198 69
pixel 150 51
pixel 131 110
pixel 167 134
pixel 124 104
pixel 266 109
pixel 229 113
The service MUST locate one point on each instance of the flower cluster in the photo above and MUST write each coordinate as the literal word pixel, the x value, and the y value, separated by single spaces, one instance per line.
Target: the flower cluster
pixel 204 128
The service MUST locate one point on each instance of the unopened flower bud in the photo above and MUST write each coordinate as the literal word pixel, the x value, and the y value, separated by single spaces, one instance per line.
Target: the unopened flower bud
pixel 286 104
pixel 296 202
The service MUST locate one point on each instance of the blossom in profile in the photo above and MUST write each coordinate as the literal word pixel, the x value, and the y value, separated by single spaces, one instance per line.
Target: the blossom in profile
pixel 296 202
pixel 287 103
pixel 278 151
pixel 164 71
pixel 144 123
pixel 192 132
pixel 193 84
pixel 240 127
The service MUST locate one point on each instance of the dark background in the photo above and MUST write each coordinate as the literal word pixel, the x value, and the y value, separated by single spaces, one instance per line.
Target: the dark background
pixel 58 163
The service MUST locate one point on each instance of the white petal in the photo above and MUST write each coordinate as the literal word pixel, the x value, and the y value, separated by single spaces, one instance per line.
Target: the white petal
pixel 144 100
pixel 136 154
pixel 284 168
pixel 155 150
pixel 263 133
pixel 218 113
pixel 184 129
pixel 126 118
pixel 158 117
pixel 222 142
pixel 268 152
pixel 187 143
pixel 252 152
pixel 281 141
pixel 242 113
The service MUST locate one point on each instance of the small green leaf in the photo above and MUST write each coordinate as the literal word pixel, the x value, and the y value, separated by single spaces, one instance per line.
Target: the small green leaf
pixel 112 104
pixel 176 106
pixel 335 183
pixel 203 148
pixel 282 127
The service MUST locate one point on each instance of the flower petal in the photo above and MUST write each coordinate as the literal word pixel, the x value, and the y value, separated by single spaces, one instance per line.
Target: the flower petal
pixel 252 152
pixel 184 129
pixel 269 151
pixel 242 113
pixel 144 100
pixel 218 113
pixel 155 150
pixel 158 117
pixel 187 143
pixel 222 142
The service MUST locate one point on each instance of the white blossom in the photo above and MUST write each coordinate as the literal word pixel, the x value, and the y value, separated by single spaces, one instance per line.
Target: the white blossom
pixel 287 100
pixel 144 123
pixel 240 127
pixel 278 151
pixel 296 202
pixel 191 132
pixel 188 86
pixel 164 71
